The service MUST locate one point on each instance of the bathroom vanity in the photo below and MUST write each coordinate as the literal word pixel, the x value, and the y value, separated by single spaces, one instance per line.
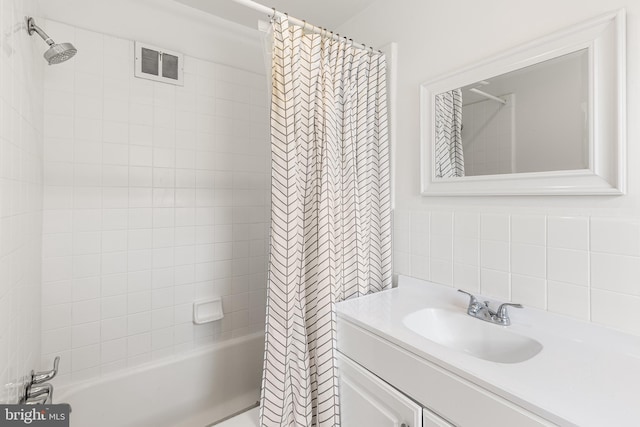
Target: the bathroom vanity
pixel 411 357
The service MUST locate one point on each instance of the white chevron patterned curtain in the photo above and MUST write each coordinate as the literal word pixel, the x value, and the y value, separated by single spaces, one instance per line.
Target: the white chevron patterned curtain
pixel 449 158
pixel 331 209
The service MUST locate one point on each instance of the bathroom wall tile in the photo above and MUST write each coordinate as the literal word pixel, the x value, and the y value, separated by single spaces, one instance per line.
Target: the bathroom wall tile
pixel 616 310
pixel 420 222
pixel 529 291
pixel 466 277
pixel 494 227
pixel 441 223
pixel 568 232
pixel 466 251
pixel 85 334
pixel 420 267
pixel 441 271
pixel 111 329
pixel 113 350
pixel 565 265
pixel 494 255
pixel 467 225
pixel 495 284
pixel 85 357
pixel 441 247
pixel 616 236
pixel 529 260
pixel 616 273
pixel 142 183
pixel 529 229
pixel 568 299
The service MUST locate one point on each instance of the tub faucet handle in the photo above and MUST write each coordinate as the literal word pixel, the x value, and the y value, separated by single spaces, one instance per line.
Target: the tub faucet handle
pixel 41 377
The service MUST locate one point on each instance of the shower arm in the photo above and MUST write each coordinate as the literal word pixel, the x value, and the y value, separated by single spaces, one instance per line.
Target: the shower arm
pixel 32 27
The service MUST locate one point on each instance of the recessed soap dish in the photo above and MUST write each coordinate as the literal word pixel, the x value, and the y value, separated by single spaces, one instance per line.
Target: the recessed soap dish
pixel 207 310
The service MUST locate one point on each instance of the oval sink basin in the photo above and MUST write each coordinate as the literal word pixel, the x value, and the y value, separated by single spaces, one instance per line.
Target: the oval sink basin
pixel 475 337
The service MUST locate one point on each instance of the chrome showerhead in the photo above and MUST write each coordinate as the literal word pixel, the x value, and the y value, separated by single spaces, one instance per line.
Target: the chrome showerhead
pixel 56 53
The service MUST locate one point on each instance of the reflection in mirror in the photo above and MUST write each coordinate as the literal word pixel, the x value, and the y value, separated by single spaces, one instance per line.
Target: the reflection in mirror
pixel 535 119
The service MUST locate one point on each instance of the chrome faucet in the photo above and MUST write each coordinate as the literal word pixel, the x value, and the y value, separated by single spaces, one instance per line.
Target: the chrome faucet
pixel 481 310
pixel 37 391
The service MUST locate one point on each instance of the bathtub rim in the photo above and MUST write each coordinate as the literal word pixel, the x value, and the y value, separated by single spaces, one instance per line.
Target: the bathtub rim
pixel 71 388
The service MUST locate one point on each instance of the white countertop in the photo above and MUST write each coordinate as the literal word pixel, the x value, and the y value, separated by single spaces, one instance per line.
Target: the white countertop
pixel 586 375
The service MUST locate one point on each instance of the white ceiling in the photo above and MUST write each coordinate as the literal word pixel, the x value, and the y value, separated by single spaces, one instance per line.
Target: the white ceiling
pixel 328 14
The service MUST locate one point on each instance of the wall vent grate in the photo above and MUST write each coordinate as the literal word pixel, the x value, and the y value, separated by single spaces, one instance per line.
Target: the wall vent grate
pixel 158 64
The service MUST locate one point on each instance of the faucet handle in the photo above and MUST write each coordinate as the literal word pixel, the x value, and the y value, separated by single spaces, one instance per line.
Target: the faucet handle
pixel 472 298
pixel 41 377
pixel 503 315
pixel 474 304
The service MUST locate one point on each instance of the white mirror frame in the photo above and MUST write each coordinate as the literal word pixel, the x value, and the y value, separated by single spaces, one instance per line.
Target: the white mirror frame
pixel 604 38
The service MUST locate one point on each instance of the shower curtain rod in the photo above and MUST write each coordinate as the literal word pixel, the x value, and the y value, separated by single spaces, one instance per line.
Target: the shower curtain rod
pixel 300 22
pixel 487 95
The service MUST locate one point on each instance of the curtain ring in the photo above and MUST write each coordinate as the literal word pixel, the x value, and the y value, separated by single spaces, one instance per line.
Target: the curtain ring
pixel 304 25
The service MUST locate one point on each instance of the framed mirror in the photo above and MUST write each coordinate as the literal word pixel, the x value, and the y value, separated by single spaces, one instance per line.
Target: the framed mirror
pixel 545 118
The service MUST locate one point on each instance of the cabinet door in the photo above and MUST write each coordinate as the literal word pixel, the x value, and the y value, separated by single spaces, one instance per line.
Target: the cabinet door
pixel 430 419
pixel 366 400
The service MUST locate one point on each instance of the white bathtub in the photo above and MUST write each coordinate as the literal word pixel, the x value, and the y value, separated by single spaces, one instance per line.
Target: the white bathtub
pixel 193 390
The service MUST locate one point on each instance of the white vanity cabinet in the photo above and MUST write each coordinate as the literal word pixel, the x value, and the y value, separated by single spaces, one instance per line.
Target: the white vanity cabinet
pixel 366 400
pixel 377 396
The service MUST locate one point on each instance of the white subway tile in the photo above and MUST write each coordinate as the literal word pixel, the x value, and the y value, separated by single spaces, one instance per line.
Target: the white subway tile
pixel 529 291
pixel 615 273
pixel 466 251
pixel 441 271
pixel 85 357
pixel 566 265
pixel 568 232
pixel 113 284
pixel 529 260
pixel 87 242
pixel 85 334
pixel 113 350
pixel 85 311
pixel 124 177
pixel 616 310
pixel 494 255
pixel 85 288
pixel 616 236
pixel 56 316
pixel 113 241
pixel 441 223
pixel 494 227
pixel 420 267
pixel 495 284
pixel 138 344
pixel 467 225
pixel 139 323
pixel 529 229
pixel 568 299
pixel 466 277
pixel 441 247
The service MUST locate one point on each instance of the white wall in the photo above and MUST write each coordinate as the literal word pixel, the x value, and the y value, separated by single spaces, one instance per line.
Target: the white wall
pixel 155 196
pixel 165 23
pixel 21 68
pixel 574 255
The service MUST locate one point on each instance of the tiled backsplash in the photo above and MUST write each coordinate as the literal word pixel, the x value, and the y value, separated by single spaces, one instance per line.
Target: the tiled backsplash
pixel 155 196
pixel 586 267
pixel 21 66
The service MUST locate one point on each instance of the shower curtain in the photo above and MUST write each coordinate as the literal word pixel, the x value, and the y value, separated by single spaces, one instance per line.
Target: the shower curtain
pixel 331 214
pixel 449 159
